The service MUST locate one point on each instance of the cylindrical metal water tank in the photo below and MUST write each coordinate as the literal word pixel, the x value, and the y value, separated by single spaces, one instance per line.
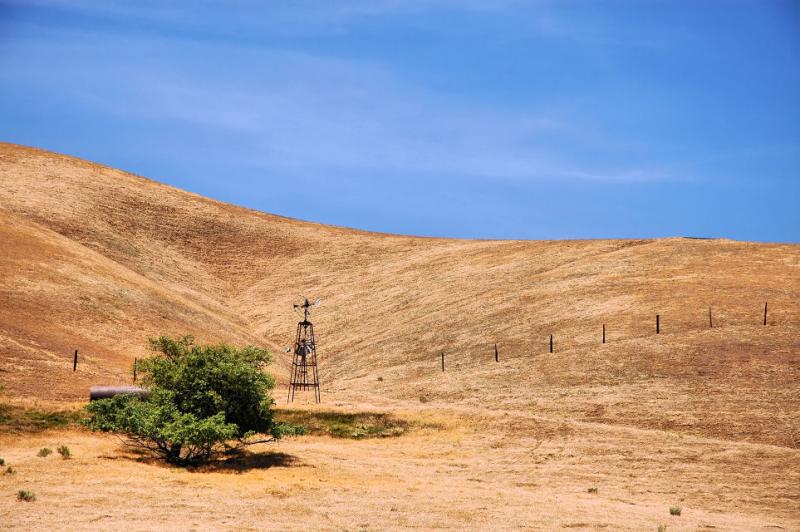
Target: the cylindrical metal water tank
pixel 106 392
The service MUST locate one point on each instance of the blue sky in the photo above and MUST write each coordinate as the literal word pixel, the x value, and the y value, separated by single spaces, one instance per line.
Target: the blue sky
pixel 478 119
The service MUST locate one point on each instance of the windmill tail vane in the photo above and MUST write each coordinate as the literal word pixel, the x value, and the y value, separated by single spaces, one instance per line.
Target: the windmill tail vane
pixel 306 305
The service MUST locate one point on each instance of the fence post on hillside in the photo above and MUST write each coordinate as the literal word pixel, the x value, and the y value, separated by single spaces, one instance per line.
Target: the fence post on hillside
pixel 442 360
pixel 765 313
pixel 496 354
pixel 551 343
pixel 710 323
pixel 75 361
pixel 134 368
pixel 604 333
pixel 658 324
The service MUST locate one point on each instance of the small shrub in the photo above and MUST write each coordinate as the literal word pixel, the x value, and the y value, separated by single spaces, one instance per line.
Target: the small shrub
pixel 674 510
pixel 423 399
pixel 44 452
pixel 2 462
pixel 9 471
pixel 662 528
pixel 592 490
pixel 380 379
pixel 25 495
pixel 63 450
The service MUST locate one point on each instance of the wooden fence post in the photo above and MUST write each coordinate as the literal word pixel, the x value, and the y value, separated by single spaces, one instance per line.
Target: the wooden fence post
pixel 710 323
pixel 658 324
pixel 134 368
pixel 765 313
pixel 496 354
pixel 75 361
pixel 604 333
pixel 442 360
pixel 551 343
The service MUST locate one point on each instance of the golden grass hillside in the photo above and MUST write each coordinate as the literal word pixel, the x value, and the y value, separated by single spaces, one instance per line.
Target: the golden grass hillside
pixel 97 259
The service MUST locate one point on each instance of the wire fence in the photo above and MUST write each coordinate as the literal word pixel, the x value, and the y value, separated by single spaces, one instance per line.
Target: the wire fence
pixel 541 342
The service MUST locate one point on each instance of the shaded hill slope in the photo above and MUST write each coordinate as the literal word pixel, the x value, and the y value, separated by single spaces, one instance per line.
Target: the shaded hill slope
pixel 100 259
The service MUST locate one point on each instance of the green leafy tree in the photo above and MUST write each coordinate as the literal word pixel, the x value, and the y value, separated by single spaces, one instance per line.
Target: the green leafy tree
pixel 202 400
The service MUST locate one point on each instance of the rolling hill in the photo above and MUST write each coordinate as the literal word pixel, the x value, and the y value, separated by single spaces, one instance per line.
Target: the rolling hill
pixel 97 259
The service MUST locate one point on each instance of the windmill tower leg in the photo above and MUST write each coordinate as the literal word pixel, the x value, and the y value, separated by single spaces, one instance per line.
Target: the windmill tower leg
pixel 297 365
pixel 314 367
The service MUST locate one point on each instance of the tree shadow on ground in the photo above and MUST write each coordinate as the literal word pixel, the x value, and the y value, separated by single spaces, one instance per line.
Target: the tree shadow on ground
pixel 243 461
pixel 234 462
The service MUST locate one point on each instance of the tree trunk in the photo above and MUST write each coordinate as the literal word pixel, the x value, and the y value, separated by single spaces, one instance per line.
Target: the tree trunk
pixel 174 454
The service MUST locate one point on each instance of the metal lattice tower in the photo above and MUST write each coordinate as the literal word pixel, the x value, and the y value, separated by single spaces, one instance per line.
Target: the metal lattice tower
pixel 304 364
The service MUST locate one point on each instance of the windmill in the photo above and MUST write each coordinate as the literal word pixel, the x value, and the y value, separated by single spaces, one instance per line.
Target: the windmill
pixel 304 364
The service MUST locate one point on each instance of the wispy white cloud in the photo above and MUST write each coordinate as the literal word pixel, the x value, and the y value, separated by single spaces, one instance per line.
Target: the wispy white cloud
pixel 275 16
pixel 293 111
pixel 312 115
pixel 521 18
pixel 298 112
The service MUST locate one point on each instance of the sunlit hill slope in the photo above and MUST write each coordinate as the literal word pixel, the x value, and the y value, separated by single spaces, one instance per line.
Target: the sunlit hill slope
pixel 97 259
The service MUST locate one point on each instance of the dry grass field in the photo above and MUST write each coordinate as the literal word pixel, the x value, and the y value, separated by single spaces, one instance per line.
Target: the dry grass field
pixel 705 419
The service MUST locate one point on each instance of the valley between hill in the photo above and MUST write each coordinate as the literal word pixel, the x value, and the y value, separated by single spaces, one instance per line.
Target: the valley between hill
pixel 97 259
